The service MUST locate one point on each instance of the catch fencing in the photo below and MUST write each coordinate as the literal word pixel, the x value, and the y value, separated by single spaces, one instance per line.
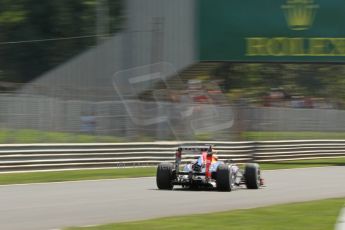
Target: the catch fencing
pixel 134 119
pixel 39 157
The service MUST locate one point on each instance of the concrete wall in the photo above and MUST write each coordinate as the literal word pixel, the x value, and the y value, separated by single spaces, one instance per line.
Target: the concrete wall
pixel 156 31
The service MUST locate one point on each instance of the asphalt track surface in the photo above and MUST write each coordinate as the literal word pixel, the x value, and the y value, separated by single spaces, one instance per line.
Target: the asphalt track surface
pixel 57 205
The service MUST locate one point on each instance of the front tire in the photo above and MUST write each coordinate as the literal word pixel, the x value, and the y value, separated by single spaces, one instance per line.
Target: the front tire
pixel 252 176
pixel 165 176
pixel 224 178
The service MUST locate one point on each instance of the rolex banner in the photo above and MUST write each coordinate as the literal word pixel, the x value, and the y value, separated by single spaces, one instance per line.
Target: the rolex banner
pixel 272 30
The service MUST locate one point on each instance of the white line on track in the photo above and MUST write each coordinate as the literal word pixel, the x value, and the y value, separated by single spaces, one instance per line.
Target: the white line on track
pixel 341 220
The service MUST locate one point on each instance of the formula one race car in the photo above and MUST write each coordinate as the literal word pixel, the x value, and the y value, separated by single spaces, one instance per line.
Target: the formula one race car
pixel 205 171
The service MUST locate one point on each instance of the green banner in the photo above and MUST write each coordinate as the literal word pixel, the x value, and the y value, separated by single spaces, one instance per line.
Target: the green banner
pixel 272 30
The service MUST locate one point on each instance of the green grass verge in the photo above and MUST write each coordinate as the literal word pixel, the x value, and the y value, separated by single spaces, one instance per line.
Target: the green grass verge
pixel 23 136
pixel 8 136
pixel 73 175
pixel 315 215
pixel 269 136
pixel 304 163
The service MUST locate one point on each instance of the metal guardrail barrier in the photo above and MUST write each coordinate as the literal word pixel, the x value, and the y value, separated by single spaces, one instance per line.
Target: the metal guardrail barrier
pixel 37 157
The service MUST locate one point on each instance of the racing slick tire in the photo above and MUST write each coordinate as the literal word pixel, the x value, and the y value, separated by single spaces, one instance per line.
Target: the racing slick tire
pixel 252 175
pixel 165 176
pixel 224 178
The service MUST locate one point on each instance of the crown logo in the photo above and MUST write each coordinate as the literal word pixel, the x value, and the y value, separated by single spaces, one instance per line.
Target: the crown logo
pixel 300 14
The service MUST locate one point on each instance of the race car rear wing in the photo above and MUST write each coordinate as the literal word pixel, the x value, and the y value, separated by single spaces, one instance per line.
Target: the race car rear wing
pixel 190 152
pixel 195 148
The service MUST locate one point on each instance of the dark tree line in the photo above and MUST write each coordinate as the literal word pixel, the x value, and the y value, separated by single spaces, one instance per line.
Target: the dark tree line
pixel 30 20
pixel 307 79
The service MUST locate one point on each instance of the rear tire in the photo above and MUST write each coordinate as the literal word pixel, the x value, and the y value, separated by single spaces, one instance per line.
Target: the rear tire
pixel 224 178
pixel 165 176
pixel 252 176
